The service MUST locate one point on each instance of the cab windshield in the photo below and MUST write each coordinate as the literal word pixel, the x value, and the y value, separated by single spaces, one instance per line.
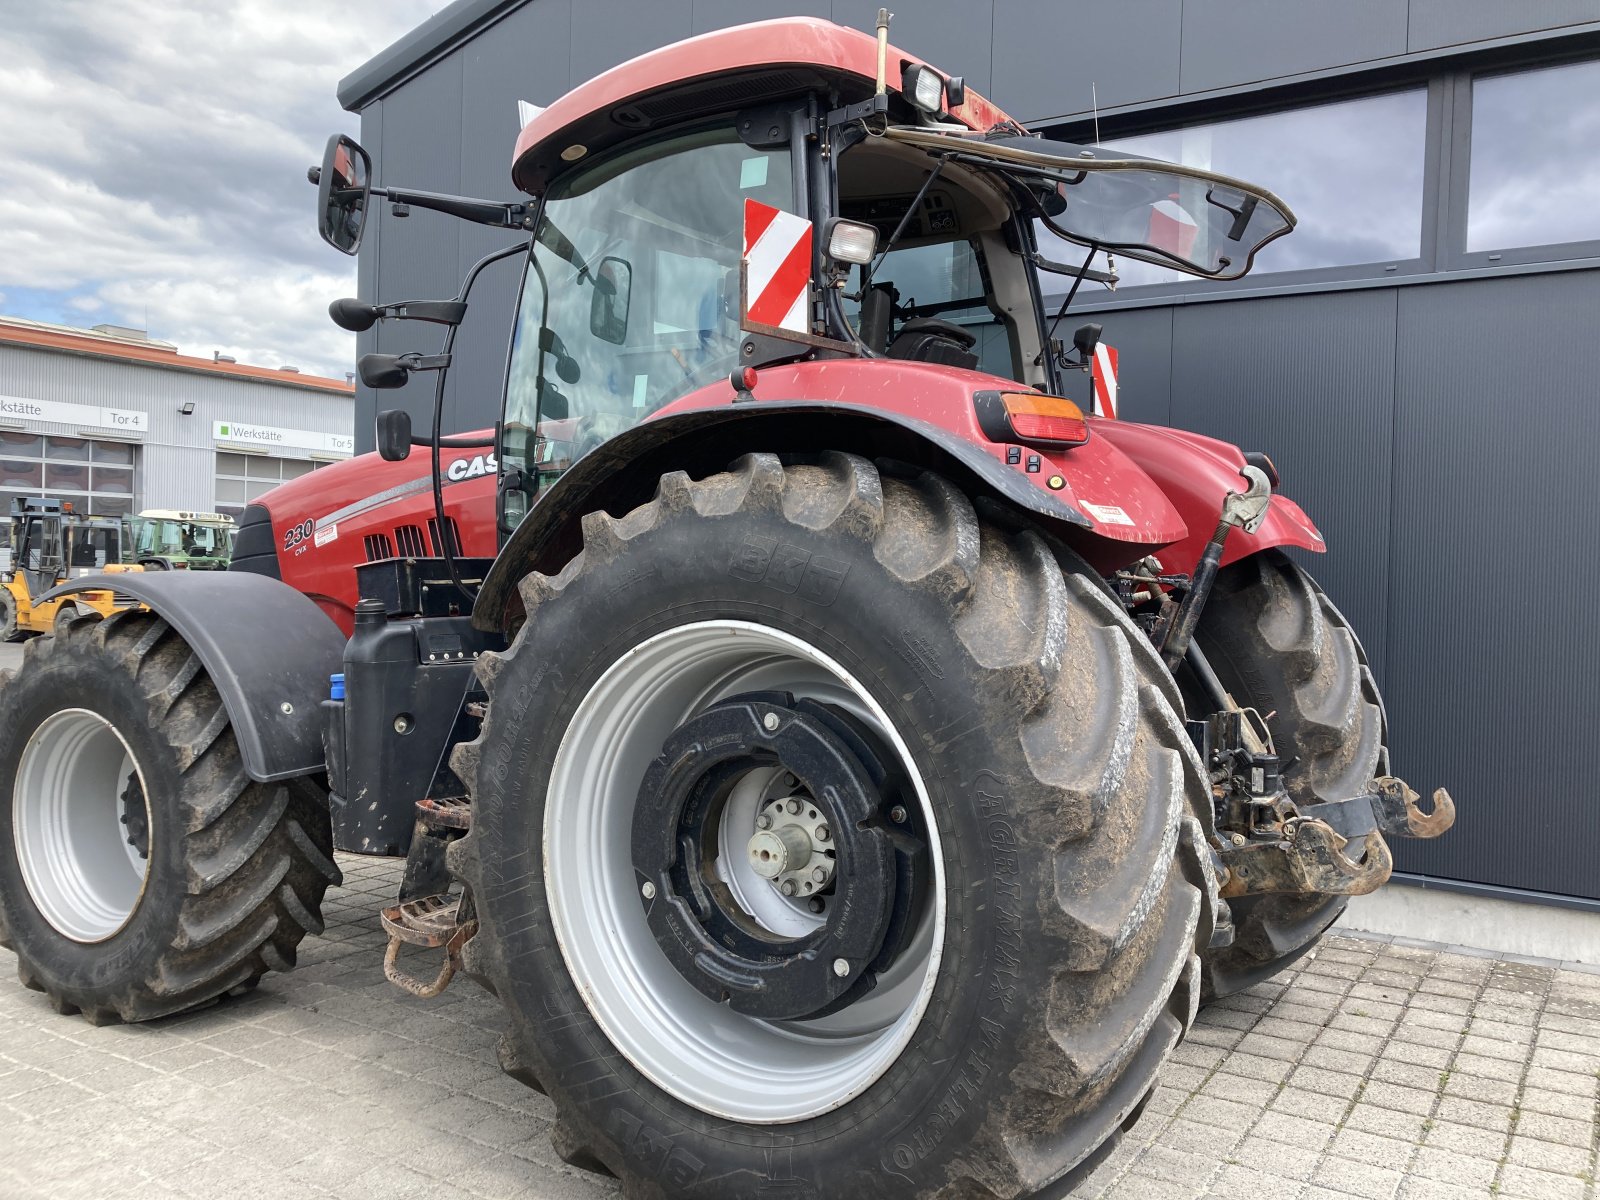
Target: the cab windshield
pixel 162 537
pixel 631 297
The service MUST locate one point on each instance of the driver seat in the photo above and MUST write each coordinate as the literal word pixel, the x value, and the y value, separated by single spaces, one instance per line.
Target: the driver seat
pixel 928 339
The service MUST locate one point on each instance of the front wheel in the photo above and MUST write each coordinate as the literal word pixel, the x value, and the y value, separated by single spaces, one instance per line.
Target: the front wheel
pixel 1279 645
pixel 143 872
pixel 829 840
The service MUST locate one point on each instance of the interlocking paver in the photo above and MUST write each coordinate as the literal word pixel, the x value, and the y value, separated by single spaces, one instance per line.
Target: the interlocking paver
pixel 1370 1069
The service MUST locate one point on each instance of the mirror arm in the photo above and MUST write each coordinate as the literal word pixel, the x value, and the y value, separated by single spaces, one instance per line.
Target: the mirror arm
pixel 484 212
pixel 456 443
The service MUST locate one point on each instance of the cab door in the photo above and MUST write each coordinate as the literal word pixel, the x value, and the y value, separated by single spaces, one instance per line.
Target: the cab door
pixel 39 557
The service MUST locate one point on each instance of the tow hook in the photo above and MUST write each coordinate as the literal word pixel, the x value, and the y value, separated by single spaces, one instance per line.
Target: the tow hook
pixel 1309 857
pixel 1314 852
pixel 1395 806
pixel 1389 805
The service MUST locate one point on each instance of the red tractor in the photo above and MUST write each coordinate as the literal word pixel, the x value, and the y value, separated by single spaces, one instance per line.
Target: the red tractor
pixel 850 762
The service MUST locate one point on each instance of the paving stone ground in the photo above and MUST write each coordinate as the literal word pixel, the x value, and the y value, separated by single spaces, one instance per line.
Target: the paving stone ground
pixel 1371 1070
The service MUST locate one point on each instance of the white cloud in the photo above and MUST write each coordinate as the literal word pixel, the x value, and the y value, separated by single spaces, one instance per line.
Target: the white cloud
pixel 155 164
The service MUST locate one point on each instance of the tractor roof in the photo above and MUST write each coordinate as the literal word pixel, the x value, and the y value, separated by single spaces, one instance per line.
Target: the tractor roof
pixel 714 72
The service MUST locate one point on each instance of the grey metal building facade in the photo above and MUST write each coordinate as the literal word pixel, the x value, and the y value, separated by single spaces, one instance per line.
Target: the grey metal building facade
pixel 1420 357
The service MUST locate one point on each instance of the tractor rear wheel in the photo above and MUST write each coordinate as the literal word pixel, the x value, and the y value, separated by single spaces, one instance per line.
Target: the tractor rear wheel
pixel 830 840
pixel 1279 645
pixel 145 873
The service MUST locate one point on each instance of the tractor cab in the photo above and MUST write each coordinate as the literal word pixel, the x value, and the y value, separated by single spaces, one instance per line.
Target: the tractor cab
pixel 856 205
pixel 173 540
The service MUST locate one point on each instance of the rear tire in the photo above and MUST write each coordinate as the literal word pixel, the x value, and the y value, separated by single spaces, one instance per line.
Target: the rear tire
pixel 145 873
pixel 1278 644
pixel 1069 822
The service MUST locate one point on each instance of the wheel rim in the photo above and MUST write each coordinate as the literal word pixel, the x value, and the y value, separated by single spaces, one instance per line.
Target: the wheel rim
pixel 698 1051
pixel 82 872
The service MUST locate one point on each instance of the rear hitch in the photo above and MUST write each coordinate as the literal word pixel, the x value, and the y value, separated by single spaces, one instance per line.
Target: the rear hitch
pixel 1310 857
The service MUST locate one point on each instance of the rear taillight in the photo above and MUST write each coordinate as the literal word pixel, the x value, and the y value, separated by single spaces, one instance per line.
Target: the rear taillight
pixel 1031 417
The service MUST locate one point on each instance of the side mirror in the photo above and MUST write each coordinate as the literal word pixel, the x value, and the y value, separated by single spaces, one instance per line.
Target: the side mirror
pixel 1085 338
pixel 382 371
pixel 344 186
pixel 353 315
pixel 394 435
pixel 608 308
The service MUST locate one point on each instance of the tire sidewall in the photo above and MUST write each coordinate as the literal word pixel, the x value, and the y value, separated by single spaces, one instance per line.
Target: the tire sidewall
pixel 69 677
pixel 899 643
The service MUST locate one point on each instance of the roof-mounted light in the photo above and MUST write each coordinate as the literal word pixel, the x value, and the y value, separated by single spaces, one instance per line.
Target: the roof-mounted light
pixel 923 86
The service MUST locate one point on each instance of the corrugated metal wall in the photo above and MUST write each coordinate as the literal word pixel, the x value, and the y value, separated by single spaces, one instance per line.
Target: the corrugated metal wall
pixel 177 467
pixel 1442 434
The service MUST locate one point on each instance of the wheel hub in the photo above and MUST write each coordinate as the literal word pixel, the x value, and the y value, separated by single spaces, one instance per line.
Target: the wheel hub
pixel 792 847
pixel 822 844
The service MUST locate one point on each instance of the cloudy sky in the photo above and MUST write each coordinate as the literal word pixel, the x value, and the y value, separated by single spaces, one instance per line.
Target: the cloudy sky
pixel 153 167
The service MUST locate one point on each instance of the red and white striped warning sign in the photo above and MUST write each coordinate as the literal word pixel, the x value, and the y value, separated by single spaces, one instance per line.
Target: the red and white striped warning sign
pixel 777 262
pixel 1104 374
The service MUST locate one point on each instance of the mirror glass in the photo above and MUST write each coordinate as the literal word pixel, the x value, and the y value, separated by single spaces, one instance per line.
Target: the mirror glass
pixel 342 191
pixel 608 309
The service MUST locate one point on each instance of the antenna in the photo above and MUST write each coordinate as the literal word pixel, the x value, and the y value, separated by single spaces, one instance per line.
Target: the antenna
pixel 1094 101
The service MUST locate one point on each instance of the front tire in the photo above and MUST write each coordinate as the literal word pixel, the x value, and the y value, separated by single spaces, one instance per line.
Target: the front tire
pixel 1279 645
pixel 1062 809
pixel 143 872
pixel 8 617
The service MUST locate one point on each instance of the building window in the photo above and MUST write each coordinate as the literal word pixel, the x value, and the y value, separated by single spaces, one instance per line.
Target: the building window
pixel 243 478
pixel 93 476
pixel 1535 158
pixel 1351 170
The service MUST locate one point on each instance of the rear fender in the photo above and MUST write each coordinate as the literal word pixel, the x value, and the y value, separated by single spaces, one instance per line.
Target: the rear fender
pixel 267 649
pixel 1196 472
pixel 621 474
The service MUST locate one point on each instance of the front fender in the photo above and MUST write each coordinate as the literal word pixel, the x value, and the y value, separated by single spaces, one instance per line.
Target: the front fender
pixel 1196 472
pixel 267 649
pixel 621 474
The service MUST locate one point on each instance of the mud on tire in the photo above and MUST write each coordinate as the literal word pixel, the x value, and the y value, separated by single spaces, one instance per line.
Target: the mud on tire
pixel 1072 824
pixel 1278 644
pixel 236 870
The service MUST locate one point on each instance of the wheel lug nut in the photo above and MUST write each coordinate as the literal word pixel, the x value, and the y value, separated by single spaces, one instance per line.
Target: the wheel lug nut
pixel 793 807
pixel 820 874
pixel 841 968
pixel 770 722
pixel 648 890
pixel 788 888
pixel 822 833
pixel 898 814
pixel 763 822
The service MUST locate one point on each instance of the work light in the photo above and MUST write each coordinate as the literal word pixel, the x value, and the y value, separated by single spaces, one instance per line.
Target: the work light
pixel 923 86
pixel 852 242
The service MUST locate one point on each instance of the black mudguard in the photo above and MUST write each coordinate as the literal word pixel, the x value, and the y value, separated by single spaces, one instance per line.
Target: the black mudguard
pixel 268 649
pixel 621 474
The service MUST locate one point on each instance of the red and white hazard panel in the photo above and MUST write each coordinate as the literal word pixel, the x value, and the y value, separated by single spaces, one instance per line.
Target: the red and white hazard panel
pixel 1172 228
pixel 1104 374
pixel 777 268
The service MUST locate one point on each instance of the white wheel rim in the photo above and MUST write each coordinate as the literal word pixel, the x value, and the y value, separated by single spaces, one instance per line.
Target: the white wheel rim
pixel 703 1053
pixel 66 813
